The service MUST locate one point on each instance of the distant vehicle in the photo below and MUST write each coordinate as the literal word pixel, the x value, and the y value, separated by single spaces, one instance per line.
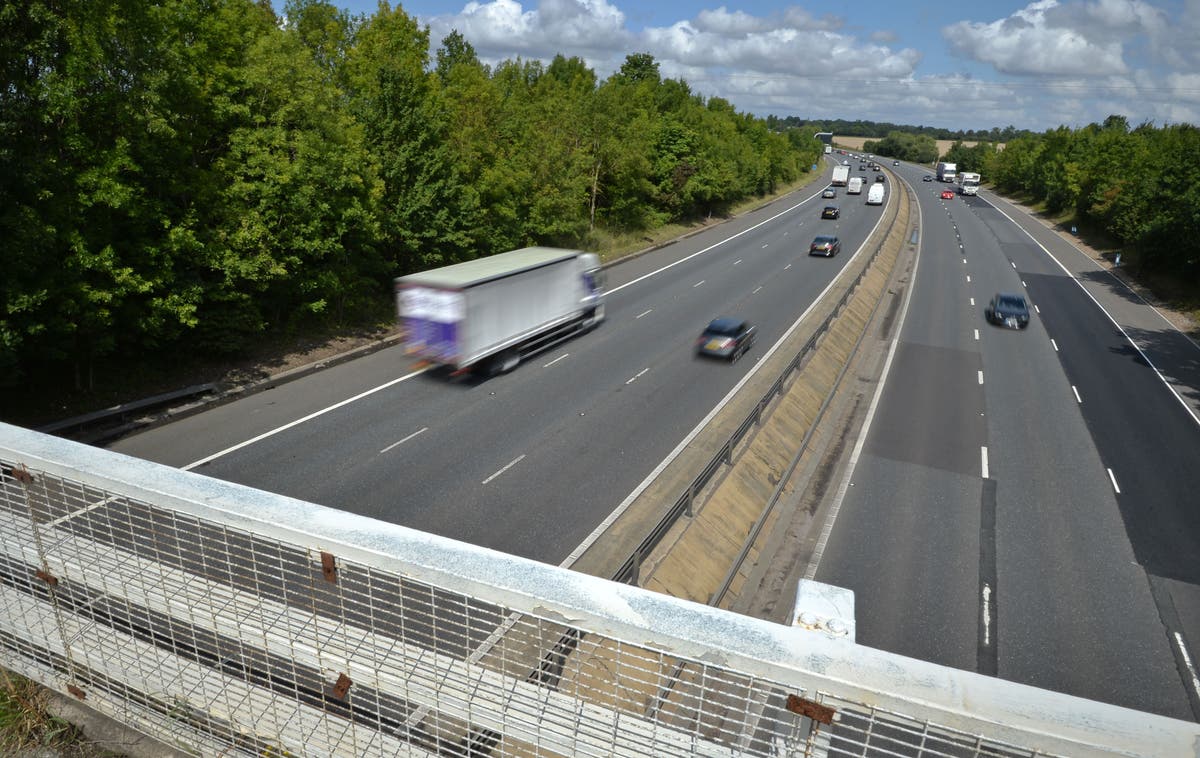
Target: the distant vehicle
pixel 828 149
pixel 927 178
pixel 825 245
pixel 968 183
pixel 845 163
pixel 895 163
pixel 854 186
pixel 880 178
pixel 1008 310
pixel 862 167
pixel 831 211
pixel 947 195
pixel 487 314
pixel 726 338
pixel 829 192
pixel 945 171
pixel 875 194
pixel 840 175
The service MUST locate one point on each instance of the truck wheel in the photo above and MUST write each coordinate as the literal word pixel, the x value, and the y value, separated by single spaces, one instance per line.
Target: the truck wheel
pixel 505 362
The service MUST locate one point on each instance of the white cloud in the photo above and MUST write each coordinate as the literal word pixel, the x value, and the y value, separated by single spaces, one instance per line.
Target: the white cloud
pixel 1047 38
pixel 1076 61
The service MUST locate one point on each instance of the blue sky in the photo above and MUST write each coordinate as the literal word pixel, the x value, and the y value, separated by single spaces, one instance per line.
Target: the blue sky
pixel 965 65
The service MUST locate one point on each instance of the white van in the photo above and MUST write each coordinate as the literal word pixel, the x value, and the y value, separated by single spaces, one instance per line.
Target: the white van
pixel 875 194
pixel 854 186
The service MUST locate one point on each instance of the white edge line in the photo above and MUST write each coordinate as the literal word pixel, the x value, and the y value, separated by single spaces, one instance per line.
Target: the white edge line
pixel 603 526
pixel 985 470
pixel 714 245
pixel 299 421
pixel 1113 478
pixel 1187 660
pixel 826 530
pixel 422 430
pixel 556 360
pixel 1103 310
pixel 510 464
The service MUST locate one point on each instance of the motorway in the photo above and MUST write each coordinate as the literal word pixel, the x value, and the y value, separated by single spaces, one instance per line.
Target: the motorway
pixel 531 462
pixel 1023 501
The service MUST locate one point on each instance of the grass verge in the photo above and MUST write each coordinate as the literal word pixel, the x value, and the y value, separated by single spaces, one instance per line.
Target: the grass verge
pixel 27 726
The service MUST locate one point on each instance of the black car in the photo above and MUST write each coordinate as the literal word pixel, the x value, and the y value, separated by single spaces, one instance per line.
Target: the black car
pixel 831 211
pixel 895 163
pixel 927 178
pixel 826 246
pixel 829 192
pixel 880 178
pixel 1009 310
pixel 726 338
pixel 862 167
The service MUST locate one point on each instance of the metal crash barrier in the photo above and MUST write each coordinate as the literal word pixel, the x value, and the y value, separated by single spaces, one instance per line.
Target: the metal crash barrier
pixel 226 620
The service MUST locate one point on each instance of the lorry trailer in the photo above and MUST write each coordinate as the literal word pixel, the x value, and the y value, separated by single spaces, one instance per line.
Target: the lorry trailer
pixel 840 175
pixel 487 314
pixel 946 171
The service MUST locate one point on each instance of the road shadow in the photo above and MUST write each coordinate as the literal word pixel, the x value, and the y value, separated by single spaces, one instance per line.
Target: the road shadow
pixel 1175 356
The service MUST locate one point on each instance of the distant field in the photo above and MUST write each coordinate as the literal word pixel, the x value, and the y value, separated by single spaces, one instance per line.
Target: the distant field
pixel 856 143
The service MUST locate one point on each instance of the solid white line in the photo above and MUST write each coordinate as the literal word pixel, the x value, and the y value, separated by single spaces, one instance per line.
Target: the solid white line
pixel 1055 344
pixel 987 614
pixel 643 313
pixel 981 377
pixel 826 530
pixel 1103 310
pixel 511 463
pixel 635 376
pixel 556 360
pixel 299 421
pixel 976 334
pixel 1078 399
pixel 756 289
pixel 983 458
pixel 406 439
pixel 1187 661
pixel 715 244
pixel 603 526
pixel 697 284
pixel 1113 477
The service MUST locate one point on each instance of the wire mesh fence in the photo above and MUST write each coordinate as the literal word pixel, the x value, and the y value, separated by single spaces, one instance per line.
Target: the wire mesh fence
pixel 226 620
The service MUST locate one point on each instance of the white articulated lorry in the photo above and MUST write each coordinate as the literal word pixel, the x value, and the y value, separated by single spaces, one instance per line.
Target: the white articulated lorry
pixel 840 175
pixel 968 183
pixel 487 314
pixel 946 171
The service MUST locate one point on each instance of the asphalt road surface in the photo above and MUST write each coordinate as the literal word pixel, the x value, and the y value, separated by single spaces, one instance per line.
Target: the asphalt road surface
pixel 1024 503
pixel 530 462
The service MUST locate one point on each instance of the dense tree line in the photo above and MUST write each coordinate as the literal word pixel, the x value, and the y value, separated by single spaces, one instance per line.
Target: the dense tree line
pixel 918 148
pixel 882 129
pixel 189 174
pixel 1136 185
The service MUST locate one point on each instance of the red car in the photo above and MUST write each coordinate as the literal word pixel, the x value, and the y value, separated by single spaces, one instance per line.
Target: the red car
pixel 947 195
